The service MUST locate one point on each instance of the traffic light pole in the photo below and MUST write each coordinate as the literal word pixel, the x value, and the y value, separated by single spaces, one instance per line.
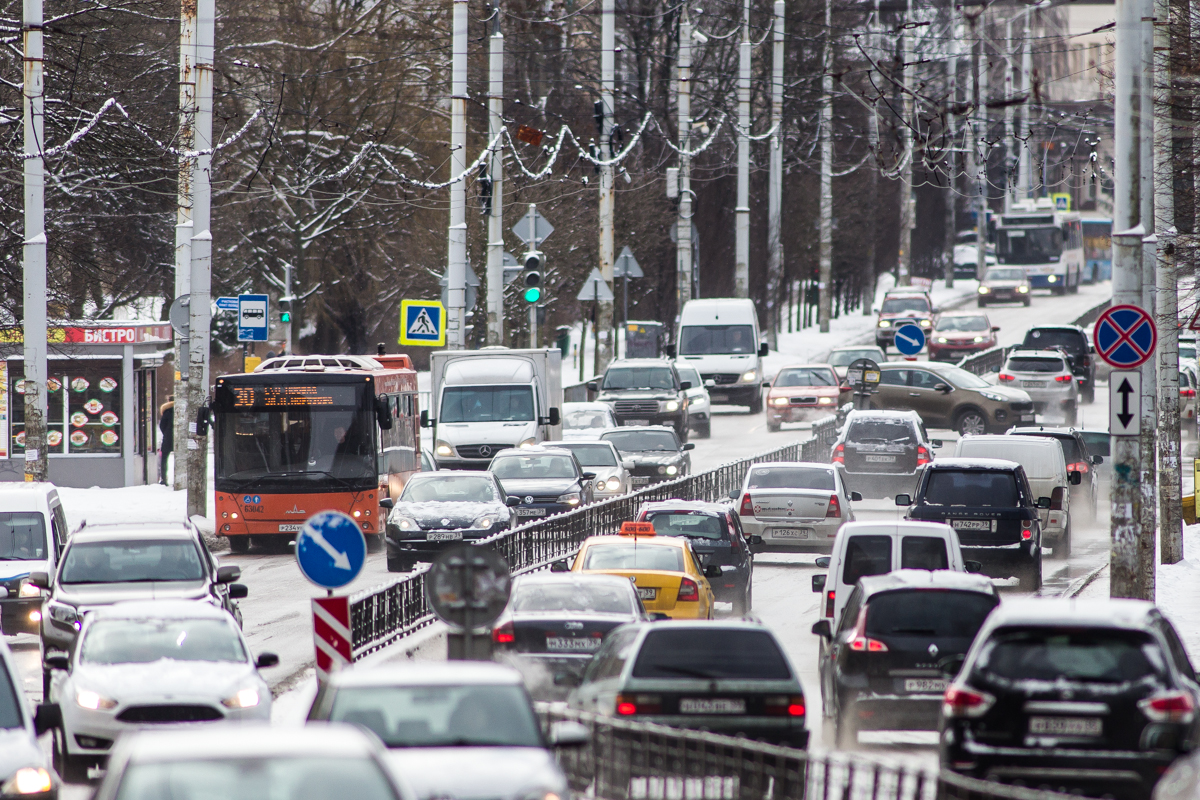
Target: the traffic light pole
pixel 495 252
pixel 456 270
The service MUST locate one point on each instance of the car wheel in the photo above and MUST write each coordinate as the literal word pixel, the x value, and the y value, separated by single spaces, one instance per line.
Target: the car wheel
pixel 705 431
pixel 756 404
pixel 1028 301
pixel 72 769
pixel 47 678
pixel 401 563
pixel 882 345
pixel 1089 393
pixel 772 426
pixel 982 303
pixel 239 544
pixel 1030 575
pixel 1065 545
pixel 970 421
pixel 845 734
pixel 374 542
pixel 742 605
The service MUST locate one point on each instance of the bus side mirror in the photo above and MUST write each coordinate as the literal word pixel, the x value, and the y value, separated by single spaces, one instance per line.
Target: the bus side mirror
pixel 202 420
pixel 383 413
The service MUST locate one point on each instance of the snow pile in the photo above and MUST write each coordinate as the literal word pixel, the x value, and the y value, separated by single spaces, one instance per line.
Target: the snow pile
pixel 1177 593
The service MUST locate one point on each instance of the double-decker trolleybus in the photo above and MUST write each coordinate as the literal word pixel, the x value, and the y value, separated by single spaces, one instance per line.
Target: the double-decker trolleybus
pixel 302 434
pixel 1046 243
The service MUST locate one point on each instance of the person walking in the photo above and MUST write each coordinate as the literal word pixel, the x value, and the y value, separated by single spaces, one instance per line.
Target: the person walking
pixel 166 430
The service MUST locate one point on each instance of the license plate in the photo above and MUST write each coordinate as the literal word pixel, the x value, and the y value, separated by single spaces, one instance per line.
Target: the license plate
pixel 530 512
pixel 1027 417
pixel 443 536
pixel 1066 726
pixel 290 527
pixel 647 593
pixel 971 524
pixel 880 459
pixel 1034 384
pixel 793 533
pixel 586 645
pixel 715 705
pixel 636 422
pixel 639 480
pixel 924 685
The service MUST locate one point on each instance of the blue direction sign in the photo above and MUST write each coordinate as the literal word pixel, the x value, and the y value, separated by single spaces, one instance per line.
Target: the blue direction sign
pixel 1125 336
pixel 252 317
pixel 330 549
pixel 227 303
pixel 910 339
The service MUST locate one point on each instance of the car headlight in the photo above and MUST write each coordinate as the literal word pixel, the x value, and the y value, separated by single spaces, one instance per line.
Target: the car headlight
pixel 672 470
pixel 985 290
pixel 65 614
pixel 698 400
pixel 1023 289
pixel 671 405
pixel 883 323
pixel 444 448
pixel 612 484
pixel 246 698
pixel 528 443
pixel 824 401
pixel 484 522
pixel 406 524
pixel 570 498
pixel 994 397
pixel 86 698
pixel 978 339
pixel 27 780
pixel 925 323
pixel 779 401
pixel 29 590
pixel 752 375
pixel 942 340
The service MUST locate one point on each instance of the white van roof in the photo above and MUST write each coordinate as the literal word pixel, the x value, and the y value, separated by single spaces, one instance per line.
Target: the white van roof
pixel 479 371
pixel 1041 456
pixel 719 311
pixel 22 496
pixel 898 527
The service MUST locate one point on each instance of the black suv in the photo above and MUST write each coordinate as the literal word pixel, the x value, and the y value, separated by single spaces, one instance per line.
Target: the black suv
pixel 1092 698
pixel 1073 341
pixel 881 453
pixel 989 504
pixel 656 452
pixel 884 670
pixel 645 391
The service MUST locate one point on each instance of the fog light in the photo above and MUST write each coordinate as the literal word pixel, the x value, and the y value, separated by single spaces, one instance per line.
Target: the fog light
pixel 35 616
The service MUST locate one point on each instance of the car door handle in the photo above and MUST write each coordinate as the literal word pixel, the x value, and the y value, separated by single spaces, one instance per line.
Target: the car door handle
pixel 914 394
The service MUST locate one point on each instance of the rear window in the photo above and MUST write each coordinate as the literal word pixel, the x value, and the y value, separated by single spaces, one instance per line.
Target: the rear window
pixel 971 488
pixel 1097 443
pixel 583 596
pixel 634 555
pixel 1039 462
pixel 867 555
pixel 928 612
pixel 1070 447
pixel 923 552
pixel 791 478
pixel 881 431
pixel 1074 341
pixel 1047 654
pixel 1037 364
pixel 705 652
pixel 693 524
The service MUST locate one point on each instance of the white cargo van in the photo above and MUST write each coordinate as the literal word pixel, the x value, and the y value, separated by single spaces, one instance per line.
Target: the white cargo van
pixel 719 337
pixel 33 532
pixel 1046 469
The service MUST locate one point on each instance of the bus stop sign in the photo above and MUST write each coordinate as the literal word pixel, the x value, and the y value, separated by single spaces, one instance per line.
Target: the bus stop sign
pixel 330 549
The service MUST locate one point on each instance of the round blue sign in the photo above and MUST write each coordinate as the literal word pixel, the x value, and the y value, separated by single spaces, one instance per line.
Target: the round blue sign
pixel 330 549
pixel 1125 336
pixel 910 339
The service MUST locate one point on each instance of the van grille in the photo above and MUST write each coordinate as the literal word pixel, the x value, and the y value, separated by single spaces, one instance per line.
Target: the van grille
pixel 721 378
pixel 480 450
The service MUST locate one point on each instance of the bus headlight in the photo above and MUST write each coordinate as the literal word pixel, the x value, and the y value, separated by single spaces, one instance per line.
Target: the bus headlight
pixel 1052 279
pixel 29 590
pixel 444 448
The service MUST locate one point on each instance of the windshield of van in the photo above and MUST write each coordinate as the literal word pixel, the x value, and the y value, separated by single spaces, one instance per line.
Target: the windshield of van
pixel 1029 245
pixel 487 404
pixel 22 536
pixel 701 340
pixel 972 488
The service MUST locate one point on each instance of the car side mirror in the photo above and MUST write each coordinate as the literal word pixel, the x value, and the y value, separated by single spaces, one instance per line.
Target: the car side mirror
pixel 554 416
pixel 202 420
pixel 589 476
pixel 58 662
pixel 754 539
pixel 1097 460
pixel 734 494
pixel 995 329
pixel 763 349
pixel 944 388
pixel 39 579
pixel 766 385
pixel 1044 502
pixel 713 571
pixel 425 420
pixel 974 567
pixel 560 566
pixel 936 442
pixel 238 591
pixel 1075 477
pixel 823 562
pixel 669 350
pixel 855 497
pixel 821 628
pixel 685 385
pixel 265 660
pixel 47 717
pixel 627 464
pixel 593 386
pixel 903 500
pixel 387 502
pixel 228 573
pixel 512 501
pixel 818 582
pixel 658 616
pixel 951 665
pixel 689 446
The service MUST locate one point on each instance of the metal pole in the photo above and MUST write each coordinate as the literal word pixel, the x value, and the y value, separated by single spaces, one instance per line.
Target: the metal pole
pixel 33 261
pixel 495 253
pixel 1023 159
pixel 287 293
pixel 981 99
pixel 1171 490
pixel 683 226
pixel 1148 514
pixel 199 309
pixel 868 271
pixel 1126 498
pixel 1008 117
pixel 1146 139
pixel 741 266
pixel 608 60
pixel 825 235
pixel 952 129
pixel 183 224
pixel 907 223
pixel 775 189
pixel 456 271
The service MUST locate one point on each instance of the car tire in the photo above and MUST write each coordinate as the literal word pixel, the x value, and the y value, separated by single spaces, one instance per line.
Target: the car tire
pixel 773 427
pixel 1030 576
pixel 742 607
pixel 756 404
pixel 970 421
pixel 239 544
pixel 72 769
pixel 845 734
pixel 1065 545
pixel 1089 392
pixel 374 542
pixel 1028 301
pixel 47 679
pixel 882 345
pixel 401 563
pixel 704 431
pixel 982 303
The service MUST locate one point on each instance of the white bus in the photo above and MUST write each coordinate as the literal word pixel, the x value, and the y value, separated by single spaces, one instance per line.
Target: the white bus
pixel 1046 243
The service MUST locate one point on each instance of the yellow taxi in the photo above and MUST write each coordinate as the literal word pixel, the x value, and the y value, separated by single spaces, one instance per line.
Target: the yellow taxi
pixel 665 570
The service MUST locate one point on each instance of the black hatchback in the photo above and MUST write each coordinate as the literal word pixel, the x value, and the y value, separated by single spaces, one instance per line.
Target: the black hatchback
pixel 886 656
pixel 989 504
pixel 1096 698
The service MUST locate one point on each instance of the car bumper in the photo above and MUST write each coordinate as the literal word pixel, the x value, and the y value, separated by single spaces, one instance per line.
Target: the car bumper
pixel 892 712
pixel 101 728
pixel 800 413
pixel 1004 296
pixel 670 420
pixel 735 394
pixel 1048 281
pixel 954 352
pixel 765 729
pixel 997 560
pixel 21 615
pixel 781 536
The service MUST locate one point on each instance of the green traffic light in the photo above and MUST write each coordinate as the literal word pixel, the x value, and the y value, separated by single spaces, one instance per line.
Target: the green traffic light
pixel 286 316
pixel 533 294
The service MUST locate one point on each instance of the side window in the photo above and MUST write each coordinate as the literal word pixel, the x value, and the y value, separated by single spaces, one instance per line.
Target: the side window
pixel 923 552
pixel 61 520
pixel 921 379
pixel 867 555
pixel 609 662
pixel 894 377
pixel 1178 651
pixel 850 612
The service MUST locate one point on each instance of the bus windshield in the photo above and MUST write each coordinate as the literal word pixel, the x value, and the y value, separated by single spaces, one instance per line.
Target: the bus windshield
pixel 1029 245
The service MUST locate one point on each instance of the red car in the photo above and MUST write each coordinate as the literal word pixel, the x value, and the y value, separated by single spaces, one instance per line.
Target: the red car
pixel 804 391
pixel 960 334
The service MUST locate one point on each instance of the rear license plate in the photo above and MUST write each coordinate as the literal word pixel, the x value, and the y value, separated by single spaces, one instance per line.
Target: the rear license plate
pixel 1066 726
pixel 924 685
pixel 531 512
pixel 971 524
pixel 880 459
pixel 290 527
pixel 564 643
pixel 636 422
pixel 443 536
pixel 639 480
pixel 793 533
pixel 1033 384
pixel 647 593
pixel 1027 417
pixel 715 705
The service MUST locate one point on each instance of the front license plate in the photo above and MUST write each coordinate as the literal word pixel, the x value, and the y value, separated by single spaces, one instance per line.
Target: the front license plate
pixel 924 685
pixel 639 480
pixel 647 593
pixel 1066 726
pixel 585 645
pixel 1027 417
pixel 531 512
pixel 880 459
pixel 636 422
pixel 291 527
pixel 792 533
pixel 971 524
pixel 443 536
pixel 714 705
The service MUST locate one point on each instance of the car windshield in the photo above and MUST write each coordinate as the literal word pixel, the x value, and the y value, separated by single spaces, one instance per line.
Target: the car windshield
pixel 818 478
pixel 22 536
pixel 443 488
pixel 520 467
pixel 618 378
pixel 998 274
pixel 593 455
pixel 143 641
pixel 898 305
pixel 1029 245
pixel 701 340
pixel 706 652
pixel 274 778
pixel 692 524
pixel 806 376
pixel 1036 364
pixel 132 561
pixel 1048 339
pixel 881 431
pixel 1089 654
pixel 634 555
pixel 971 488
pixel 487 404
pixel 928 613
pixel 643 441
pixel 581 595
pixel 585 419
pixel 963 324
pixel 440 716
pixel 10 710
pixel 844 358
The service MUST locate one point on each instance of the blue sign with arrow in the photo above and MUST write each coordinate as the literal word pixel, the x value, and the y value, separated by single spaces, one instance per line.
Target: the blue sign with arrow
pixel 910 339
pixel 330 549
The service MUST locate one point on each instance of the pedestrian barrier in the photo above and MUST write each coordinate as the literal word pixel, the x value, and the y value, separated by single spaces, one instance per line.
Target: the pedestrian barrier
pixel 629 760
pixel 383 615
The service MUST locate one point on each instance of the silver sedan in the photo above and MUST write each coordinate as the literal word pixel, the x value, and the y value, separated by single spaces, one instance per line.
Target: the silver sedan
pixel 795 506
pixel 612 472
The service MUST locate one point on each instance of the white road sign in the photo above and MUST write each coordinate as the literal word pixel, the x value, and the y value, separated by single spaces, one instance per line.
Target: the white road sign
pixel 1125 403
pixel 595 288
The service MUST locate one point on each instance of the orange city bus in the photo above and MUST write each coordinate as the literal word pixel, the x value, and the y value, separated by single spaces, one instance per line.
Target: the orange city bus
pixel 302 434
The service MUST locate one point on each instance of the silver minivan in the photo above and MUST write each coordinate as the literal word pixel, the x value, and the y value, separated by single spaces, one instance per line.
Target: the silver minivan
pixel 33 532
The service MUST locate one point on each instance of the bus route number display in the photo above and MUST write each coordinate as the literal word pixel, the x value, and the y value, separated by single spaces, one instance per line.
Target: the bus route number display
pixel 293 396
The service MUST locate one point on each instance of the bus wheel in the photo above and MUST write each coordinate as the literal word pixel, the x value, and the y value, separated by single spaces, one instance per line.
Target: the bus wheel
pixel 239 544
pixel 374 542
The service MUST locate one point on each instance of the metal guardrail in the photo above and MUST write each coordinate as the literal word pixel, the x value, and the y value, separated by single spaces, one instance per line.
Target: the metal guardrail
pixel 383 615
pixel 990 360
pixel 629 760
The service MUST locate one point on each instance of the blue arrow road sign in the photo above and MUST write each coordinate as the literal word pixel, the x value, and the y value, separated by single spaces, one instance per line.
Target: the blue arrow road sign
pixel 1125 336
pixel 330 549
pixel 910 339
pixel 227 303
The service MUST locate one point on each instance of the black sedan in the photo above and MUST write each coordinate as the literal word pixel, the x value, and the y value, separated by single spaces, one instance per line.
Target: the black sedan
pixel 656 452
pixel 542 480
pixel 439 509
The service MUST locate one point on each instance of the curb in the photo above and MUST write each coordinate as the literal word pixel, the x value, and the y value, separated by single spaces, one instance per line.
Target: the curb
pixel 1077 587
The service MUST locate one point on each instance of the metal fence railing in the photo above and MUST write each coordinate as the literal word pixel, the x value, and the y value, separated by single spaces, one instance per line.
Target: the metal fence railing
pixel 380 616
pixel 628 760
pixel 990 360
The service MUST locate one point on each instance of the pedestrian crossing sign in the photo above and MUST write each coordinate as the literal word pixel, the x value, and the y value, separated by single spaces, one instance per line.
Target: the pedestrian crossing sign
pixel 422 322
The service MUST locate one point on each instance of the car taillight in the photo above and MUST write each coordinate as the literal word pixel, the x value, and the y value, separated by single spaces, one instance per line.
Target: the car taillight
pixel 1056 498
pixel 839 455
pixel 1064 378
pixel 747 509
pixel 504 634
pixel 960 702
pixel 1004 376
pixel 1026 529
pixel 922 455
pixel 630 704
pixel 1187 392
pixel 829 603
pixel 785 706
pixel 1079 466
pixel 1170 707
pixel 835 508
pixel 863 644
pixel 688 591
